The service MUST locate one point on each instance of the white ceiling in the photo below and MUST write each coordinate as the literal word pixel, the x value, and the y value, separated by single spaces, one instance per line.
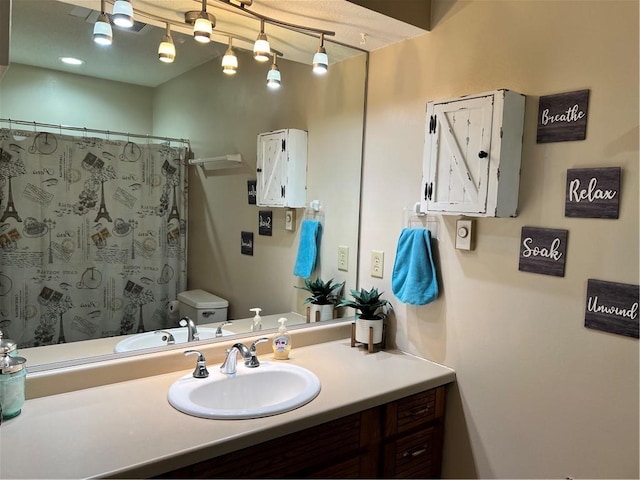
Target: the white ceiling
pixel 43 30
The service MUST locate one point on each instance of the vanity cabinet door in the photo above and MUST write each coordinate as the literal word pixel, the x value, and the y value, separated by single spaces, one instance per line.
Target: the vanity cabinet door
pixel 282 169
pixel 472 152
pixel 413 436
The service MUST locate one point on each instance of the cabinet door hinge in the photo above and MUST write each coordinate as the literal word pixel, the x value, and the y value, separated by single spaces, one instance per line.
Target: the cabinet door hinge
pixel 284 144
pixel 283 190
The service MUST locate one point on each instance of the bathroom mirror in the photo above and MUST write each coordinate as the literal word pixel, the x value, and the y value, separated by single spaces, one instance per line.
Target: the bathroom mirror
pixel 219 115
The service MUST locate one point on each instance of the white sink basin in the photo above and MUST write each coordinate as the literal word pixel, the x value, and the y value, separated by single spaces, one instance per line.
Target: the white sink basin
pixel 152 339
pixel 269 389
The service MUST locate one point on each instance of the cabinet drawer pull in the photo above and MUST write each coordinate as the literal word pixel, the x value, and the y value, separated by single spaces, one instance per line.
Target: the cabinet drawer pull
pixel 414 452
pixel 417 411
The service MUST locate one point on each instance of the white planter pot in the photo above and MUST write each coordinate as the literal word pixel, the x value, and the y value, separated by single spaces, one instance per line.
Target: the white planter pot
pixel 362 330
pixel 325 312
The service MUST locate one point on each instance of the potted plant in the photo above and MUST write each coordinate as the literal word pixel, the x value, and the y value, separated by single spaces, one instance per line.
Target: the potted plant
pixel 368 303
pixel 324 296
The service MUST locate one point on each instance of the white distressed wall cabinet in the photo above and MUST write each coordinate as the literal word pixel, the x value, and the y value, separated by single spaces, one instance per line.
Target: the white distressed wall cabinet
pixel 282 169
pixel 472 152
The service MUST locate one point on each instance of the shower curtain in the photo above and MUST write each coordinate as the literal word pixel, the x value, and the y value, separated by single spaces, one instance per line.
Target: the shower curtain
pixel 92 235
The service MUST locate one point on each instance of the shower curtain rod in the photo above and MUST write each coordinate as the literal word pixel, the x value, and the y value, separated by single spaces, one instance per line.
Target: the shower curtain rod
pixel 92 130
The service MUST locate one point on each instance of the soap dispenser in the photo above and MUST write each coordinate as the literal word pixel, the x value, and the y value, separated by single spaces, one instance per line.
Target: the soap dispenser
pixel 12 379
pixel 257 320
pixel 281 341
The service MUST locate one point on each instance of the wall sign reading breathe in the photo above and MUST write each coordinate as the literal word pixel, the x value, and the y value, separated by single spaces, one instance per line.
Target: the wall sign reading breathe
pixel 592 192
pixel 543 250
pixel 563 117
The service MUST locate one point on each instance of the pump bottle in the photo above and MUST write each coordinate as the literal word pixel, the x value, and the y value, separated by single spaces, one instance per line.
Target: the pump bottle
pixel 257 320
pixel 281 341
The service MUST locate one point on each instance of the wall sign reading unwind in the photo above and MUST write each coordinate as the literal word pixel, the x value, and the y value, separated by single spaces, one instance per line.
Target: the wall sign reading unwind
pixel 563 117
pixel 592 192
pixel 543 250
pixel 612 307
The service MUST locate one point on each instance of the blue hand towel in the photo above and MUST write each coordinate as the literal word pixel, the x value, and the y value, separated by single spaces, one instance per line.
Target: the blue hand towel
pixel 308 249
pixel 414 274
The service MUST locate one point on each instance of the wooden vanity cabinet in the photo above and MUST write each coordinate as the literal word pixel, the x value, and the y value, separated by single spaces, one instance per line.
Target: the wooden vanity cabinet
pixel 401 439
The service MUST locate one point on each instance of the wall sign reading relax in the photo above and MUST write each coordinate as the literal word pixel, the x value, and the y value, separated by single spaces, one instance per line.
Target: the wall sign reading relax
pixel 612 307
pixel 563 117
pixel 543 250
pixel 592 192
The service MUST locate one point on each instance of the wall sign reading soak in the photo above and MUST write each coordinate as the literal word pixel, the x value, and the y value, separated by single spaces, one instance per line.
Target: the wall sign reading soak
pixel 612 307
pixel 543 250
pixel 265 222
pixel 563 117
pixel 592 192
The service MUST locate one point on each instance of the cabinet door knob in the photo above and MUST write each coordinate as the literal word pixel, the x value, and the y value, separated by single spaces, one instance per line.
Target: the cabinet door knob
pixel 483 154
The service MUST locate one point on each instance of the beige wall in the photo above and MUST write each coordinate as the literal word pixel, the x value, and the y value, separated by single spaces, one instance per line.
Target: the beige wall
pixel 538 394
pixel 222 115
pixel 48 96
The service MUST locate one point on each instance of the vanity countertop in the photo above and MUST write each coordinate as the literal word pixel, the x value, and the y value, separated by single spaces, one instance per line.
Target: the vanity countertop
pixel 129 430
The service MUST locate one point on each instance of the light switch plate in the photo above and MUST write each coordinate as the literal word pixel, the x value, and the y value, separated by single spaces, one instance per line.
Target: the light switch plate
pixel 343 258
pixel 464 234
pixel 377 263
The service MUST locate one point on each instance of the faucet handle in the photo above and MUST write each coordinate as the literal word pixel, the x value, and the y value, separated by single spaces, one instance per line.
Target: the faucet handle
pixel 166 336
pixel 253 362
pixel 201 365
pixel 252 349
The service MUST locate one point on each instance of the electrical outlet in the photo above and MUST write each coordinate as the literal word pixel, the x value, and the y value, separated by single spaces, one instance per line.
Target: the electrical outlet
pixel 377 263
pixel 343 258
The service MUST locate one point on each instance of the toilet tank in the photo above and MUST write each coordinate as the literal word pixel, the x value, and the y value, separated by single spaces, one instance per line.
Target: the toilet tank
pixel 202 307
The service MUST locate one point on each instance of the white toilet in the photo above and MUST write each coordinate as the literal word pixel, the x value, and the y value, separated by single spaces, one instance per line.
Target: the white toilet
pixel 202 307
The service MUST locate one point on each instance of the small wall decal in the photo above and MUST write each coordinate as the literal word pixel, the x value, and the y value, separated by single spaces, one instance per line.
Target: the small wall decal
pixel 543 250
pixel 251 191
pixel 563 117
pixel 612 307
pixel 592 192
pixel 246 243
pixel 265 222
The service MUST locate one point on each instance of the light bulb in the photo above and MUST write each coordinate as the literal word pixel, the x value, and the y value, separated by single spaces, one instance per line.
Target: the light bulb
pixel 261 47
pixel 273 76
pixel 202 28
pixel 122 13
pixel 102 32
pixel 320 61
pixel 229 62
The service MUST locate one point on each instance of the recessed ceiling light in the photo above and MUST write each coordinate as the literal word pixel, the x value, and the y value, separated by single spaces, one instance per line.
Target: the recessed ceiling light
pixel 71 60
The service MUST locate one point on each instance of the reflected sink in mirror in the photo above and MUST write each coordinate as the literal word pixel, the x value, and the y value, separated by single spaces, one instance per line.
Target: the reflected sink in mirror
pixel 158 338
pixel 270 389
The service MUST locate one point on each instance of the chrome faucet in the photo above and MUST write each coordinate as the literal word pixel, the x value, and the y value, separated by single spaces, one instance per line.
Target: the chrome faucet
pixel 219 329
pixel 192 331
pixel 248 354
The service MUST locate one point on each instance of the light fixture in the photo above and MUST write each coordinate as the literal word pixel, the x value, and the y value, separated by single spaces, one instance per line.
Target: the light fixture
pixel 261 48
pixel 167 50
pixel 71 60
pixel 102 33
pixel 203 26
pixel 230 61
pixel 273 75
pixel 320 59
pixel 122 13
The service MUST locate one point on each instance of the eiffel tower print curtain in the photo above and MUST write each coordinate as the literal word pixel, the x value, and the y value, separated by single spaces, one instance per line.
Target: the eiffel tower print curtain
pixel 93 235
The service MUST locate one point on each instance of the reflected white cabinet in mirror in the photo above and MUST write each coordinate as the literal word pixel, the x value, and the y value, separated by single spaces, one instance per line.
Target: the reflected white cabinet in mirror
pixel 282 169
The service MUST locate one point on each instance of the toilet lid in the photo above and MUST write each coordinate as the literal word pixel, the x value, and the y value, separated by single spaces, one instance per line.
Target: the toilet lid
pixel 201 299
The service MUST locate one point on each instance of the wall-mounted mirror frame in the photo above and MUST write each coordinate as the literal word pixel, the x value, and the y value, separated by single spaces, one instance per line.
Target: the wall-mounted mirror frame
pixel 331 109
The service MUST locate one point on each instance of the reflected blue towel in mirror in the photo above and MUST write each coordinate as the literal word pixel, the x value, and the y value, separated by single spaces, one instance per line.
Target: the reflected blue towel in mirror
pixel 308 249
pixel 414 279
